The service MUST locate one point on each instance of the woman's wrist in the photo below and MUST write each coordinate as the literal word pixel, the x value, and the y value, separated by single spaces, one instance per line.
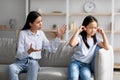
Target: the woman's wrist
pixel 29 51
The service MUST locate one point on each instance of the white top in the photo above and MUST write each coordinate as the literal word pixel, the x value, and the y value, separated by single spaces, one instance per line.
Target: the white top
pixel 82 53
pixel 38 41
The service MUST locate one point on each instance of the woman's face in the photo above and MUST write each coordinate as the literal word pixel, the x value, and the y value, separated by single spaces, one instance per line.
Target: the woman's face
pixel 91 29
pixel 37 24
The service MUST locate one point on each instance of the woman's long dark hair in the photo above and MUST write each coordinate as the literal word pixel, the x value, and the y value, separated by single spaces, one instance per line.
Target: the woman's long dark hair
pixel 30 19
pixel 86 21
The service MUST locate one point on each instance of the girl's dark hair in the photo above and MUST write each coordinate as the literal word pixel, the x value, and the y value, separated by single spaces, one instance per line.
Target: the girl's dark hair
pixel 30 19
pixel 86 21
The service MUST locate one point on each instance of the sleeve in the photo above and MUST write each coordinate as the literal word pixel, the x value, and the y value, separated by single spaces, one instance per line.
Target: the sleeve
pixel 54 44
pixel 20 49
pixel 79 39
pixel 50 46
pixel 98 40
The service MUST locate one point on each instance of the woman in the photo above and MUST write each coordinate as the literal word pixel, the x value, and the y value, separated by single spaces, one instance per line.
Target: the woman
pixel 32 41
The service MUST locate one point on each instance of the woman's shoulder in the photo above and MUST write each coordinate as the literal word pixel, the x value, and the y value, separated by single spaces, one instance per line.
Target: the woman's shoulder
pixel 23 32
pixel 40 32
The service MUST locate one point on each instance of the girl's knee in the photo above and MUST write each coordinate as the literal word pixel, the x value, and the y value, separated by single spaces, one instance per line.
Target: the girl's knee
pixel 73 65
pixel 85 74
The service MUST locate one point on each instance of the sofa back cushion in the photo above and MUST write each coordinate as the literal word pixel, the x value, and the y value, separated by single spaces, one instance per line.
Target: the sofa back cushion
pixel 7 46
pixel 59 59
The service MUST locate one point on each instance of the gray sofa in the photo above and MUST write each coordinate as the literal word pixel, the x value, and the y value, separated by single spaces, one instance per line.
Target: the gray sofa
pixel 54 66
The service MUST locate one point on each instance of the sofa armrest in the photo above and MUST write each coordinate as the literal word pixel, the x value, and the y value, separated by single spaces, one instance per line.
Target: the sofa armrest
pixel 104 63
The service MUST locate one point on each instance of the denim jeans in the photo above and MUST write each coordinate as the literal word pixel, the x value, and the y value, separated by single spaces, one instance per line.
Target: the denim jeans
pixel 93 60
pixel 28 65
pixel 83 71
pixel 78 70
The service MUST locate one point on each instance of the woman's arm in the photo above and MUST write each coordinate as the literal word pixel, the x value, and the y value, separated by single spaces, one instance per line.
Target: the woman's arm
pixel 21 53
pixel 53 45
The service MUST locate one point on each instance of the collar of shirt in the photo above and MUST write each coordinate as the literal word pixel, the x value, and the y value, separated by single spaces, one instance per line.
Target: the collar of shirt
pixel 33 34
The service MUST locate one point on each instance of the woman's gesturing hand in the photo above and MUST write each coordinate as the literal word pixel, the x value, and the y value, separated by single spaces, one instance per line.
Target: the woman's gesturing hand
pixel 61 31
pixel 31 49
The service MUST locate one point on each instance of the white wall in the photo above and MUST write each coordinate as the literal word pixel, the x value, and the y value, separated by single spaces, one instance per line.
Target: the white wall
pixel 12 9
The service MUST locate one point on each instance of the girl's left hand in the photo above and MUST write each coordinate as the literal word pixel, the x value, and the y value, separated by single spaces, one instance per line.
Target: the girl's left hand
pixel 100 30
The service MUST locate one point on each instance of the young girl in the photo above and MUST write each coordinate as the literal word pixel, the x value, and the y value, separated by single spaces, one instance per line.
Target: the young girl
pixel 84 40
pixel 31 41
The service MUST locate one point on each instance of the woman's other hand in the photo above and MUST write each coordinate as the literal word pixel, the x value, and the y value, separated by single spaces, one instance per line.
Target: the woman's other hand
pixel 61 31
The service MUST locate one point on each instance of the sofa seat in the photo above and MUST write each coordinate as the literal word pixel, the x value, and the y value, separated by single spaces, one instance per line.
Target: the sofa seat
pixel 3 72
pixel 53 73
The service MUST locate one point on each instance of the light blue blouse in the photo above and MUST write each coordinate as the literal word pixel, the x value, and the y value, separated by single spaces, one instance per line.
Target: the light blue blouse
pixel 38 41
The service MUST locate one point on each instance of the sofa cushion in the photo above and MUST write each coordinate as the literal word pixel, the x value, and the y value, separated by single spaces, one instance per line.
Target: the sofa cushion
pixel 8 41
pixel 53 73
pixel 3 72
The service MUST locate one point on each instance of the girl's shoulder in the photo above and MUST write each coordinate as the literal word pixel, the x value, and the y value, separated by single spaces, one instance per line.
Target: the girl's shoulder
pixel 79 36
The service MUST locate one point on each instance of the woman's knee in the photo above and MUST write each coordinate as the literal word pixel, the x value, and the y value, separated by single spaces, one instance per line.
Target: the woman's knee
pixel 13 69
pixel 34 63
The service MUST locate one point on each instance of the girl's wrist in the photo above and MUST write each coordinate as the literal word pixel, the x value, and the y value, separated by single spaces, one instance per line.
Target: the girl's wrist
pixel 79 31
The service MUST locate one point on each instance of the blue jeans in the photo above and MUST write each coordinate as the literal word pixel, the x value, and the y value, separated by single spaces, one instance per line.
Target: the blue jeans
pixel 93 60
pixel 28 65
pixel 78 70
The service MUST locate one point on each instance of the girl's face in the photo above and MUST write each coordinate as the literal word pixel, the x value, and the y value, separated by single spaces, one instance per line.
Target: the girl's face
pixel 37 24
pixel 91 29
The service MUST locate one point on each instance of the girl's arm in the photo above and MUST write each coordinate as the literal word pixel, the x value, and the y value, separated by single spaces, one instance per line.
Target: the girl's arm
pixel 74 40
pixel 105 43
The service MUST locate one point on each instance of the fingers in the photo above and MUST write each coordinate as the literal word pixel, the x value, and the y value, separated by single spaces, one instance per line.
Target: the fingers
pixel 63 29
pixel 31 45
pixel 99 29
pixel 64 26
pixel 32 49
pixel 82 28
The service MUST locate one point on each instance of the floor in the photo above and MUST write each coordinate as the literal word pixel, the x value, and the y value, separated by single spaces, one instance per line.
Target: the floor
pixel 116 75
